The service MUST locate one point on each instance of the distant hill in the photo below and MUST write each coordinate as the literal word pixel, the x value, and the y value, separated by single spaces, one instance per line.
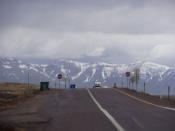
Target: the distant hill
pixel 157 77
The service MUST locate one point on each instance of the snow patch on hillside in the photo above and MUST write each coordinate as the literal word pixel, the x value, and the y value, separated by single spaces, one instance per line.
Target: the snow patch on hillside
pixel 23 66
pixel 7 66
pixel 83 68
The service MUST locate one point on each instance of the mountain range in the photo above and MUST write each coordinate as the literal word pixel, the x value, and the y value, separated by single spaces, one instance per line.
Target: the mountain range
pixel 157 77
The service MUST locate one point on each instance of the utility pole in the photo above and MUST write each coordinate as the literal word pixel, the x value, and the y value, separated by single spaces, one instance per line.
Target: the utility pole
pixel 137 77
pixel 28 77
pixel 69 75
pixel 65 80
pixel 144 87
pixel 69 81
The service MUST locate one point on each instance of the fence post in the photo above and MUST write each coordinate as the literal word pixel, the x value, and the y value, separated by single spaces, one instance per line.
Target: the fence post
pixel 168 92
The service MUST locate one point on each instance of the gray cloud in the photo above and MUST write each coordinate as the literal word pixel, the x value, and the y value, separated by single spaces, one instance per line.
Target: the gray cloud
pixel 136 16
pixel 114 31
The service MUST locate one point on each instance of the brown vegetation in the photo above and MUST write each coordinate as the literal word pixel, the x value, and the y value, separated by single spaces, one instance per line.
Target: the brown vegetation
pixel 11 93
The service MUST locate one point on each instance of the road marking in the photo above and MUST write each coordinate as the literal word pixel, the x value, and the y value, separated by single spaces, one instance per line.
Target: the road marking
pixel 146 102
pixel 137 122
pixel 106 113
pixel 169 108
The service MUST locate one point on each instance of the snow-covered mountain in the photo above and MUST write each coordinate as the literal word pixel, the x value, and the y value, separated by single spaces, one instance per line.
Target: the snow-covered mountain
pixel 154 75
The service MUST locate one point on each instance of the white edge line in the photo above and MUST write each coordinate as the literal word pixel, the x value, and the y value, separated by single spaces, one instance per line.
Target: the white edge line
pixel 106 113
pixel 169 108
pixel 143 101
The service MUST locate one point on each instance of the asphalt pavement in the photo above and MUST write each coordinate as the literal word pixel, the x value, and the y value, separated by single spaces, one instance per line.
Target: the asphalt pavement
pixel 75 110
pixel 65 110
pixel 134 115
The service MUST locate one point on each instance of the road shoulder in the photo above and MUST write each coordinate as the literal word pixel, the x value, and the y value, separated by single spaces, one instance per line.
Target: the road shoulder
pixel 147 99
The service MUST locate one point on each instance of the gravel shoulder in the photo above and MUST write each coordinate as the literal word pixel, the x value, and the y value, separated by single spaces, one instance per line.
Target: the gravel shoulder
pixel 152 99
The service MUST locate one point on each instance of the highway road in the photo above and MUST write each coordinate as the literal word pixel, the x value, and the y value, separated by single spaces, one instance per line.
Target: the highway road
pixel 86 110
pixel 134 115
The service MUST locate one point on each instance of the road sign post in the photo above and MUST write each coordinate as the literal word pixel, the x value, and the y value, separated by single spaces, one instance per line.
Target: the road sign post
pixel 59 82
pixel 59 76
pixel 127 76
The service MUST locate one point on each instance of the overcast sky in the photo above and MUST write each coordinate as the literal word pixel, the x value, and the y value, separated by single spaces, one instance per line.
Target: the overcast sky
pixel 115 31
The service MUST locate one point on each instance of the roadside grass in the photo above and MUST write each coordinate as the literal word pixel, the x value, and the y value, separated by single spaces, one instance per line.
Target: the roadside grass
pixel 11 93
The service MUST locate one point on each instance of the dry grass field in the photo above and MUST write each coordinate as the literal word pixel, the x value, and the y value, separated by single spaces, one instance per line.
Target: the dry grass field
pixel 11 93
